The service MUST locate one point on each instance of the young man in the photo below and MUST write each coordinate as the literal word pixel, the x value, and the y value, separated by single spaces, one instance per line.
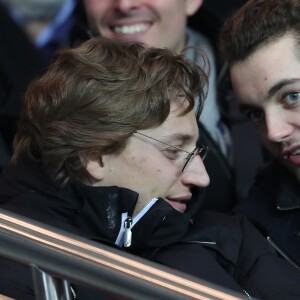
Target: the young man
pixel 261 44
pixel 164 24
pixel 107 146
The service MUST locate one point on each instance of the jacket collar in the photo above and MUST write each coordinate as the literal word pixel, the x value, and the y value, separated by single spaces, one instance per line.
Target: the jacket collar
pixel 288 196
pixel 102 208
pixel 94 212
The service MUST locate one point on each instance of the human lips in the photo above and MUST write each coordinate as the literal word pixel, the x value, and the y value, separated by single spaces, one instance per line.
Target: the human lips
pixel 130 29
pixel 179 204
pixel 291 155
pixel 132 24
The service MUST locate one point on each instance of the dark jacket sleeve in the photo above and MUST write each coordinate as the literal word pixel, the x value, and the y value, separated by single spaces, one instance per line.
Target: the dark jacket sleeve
pixel 230 252
pixel 195 260
pixel 261 270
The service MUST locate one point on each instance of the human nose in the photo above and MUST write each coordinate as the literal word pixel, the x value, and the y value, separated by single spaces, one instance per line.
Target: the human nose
pixel 126 5
pixel 278 126
pixel 195 173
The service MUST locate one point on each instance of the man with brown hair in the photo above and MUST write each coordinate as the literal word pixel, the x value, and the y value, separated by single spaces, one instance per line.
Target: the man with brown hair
pixel 261 44
pixel 164 24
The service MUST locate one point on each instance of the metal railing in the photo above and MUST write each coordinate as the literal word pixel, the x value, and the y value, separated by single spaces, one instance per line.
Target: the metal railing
pixel 58 258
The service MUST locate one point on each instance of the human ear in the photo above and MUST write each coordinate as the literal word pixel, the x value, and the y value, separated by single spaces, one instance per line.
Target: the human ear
pixel 192 6
pixel 95 169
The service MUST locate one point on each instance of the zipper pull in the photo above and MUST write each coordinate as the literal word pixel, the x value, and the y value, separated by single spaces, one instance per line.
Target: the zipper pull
pixel 128 232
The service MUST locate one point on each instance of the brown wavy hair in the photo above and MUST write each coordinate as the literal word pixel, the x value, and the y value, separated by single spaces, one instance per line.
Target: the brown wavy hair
pixel 257 23
pixel 95 96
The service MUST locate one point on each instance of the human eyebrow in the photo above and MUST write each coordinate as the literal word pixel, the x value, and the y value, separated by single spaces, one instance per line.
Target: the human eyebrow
pixel 282 83
pixel 182 138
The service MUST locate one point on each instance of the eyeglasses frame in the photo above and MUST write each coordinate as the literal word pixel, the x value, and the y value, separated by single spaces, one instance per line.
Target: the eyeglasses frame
pixel 191 155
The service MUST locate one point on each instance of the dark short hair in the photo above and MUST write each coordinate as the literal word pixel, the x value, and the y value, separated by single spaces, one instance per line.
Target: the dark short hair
pixel 95 96
pixel 257 23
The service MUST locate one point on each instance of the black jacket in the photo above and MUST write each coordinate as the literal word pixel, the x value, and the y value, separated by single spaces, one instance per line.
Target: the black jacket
pixel 273 206
pixel 219 248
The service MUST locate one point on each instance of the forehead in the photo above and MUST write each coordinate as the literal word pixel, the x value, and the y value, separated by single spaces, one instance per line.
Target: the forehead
pixel 275 62
pixel 177 125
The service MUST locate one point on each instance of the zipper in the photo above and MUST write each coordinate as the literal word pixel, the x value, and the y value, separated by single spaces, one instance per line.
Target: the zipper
pixel 127 222
pixel 287 208
pixel 130 222
pixel 203 242
pixel 127 232
pixel 247 294
pixel 73 292
pixel 285 256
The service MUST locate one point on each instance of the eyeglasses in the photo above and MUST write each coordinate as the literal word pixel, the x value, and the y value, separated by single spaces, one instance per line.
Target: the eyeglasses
pixel 202 150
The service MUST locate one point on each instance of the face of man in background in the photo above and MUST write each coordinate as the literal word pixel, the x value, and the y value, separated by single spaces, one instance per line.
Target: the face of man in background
pixel 158 23
pixel 267 84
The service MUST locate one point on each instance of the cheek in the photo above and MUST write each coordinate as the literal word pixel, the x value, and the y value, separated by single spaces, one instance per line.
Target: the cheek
pixel 158 170
pixel 137 161
pixel 97 13
pixel 166 178
pixel 139 167
pixel 160 176
pixel 295 118
pixel 272 147
pixel 154 168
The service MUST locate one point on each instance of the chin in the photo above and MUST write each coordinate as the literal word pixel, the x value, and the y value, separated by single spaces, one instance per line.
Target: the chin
pixel 294 170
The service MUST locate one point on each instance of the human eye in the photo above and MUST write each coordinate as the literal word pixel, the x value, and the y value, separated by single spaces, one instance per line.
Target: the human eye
pixel 255 115
pixel 172 153
pixel 291 99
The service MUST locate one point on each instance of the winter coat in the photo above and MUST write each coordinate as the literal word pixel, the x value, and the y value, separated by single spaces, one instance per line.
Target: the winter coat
pixel 226 250
pixel 273 206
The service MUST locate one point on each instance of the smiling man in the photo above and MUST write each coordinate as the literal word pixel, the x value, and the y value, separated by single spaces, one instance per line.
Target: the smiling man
pixel 156 23
pixel 261 43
